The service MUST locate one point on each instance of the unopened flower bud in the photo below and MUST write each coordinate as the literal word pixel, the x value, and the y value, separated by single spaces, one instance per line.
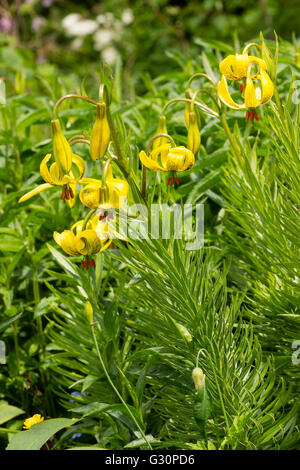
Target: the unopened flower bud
pixel 89 311
pixel 161 129
pixel 197 376
pixel 100 135
pixel 61 149
pixel 194 137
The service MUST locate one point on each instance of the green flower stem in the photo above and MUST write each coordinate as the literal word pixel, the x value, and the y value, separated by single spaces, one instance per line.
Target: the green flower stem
pixel 71 95
pixel 79 141
pixel 200 74
pixel 87 218
pixel 115 389
pixel 231 138
pixel 186 100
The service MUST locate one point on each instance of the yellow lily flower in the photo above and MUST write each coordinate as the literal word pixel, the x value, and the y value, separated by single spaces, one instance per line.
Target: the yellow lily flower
pixel 106 195
pixel 235 67
pixel 95 238
pixel 254 94
pixel 173 159
pixel 54 177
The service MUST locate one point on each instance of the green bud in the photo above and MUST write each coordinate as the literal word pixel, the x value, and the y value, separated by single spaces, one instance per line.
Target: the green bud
pixel 194 137
pixel 61 149
pixel 161 129
pixel 100 135
pixel 89 311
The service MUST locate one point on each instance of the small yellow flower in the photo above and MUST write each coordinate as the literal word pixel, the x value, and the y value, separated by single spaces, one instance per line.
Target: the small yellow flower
pixel 54 177
pixel 235 67
pixel 29 422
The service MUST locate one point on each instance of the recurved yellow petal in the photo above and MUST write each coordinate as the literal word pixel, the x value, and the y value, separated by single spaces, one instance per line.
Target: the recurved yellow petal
pixel 180 159
pixel 267 87
pixel 35 191
pixel 225 97
pixel 45 172
pixel 87 242
pixel 150 163
pixel 67 241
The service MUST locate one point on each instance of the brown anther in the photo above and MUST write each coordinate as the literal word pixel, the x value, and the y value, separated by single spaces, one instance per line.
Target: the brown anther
pixel 251 115
pixel 71 193
pixel 168 181
pixel 92 262
pixel 67 193
pixel 177 181
pixel 84 264
pixel 102 216
pixel 257 117
pixel 63 194
pixel 173 180
pixel 241 88
pixel 247 116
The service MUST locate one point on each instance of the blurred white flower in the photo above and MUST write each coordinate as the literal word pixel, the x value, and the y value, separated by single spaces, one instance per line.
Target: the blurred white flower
pixel 76 26
pixel 110 55
pixel 76 44
pixel 101 19
pixel 127 16
pixel 69 20
pixel 102 38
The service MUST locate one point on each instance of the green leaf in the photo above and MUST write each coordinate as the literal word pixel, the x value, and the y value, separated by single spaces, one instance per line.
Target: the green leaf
pixel 8 412
pixel 34 438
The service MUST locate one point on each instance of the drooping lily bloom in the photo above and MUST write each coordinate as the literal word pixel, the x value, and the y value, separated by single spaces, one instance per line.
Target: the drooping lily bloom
pixel 77 242
pixel 54 177
pixel 168 159
pixel 95 238
pixel 254 95
pixel 235 67
pixel 111 194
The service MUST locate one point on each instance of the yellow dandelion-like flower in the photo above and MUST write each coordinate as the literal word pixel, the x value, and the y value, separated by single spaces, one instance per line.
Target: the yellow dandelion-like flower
pixel 32 421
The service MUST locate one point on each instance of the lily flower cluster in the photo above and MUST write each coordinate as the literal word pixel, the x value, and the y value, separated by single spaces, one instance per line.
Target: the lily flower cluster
pixel 93 234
